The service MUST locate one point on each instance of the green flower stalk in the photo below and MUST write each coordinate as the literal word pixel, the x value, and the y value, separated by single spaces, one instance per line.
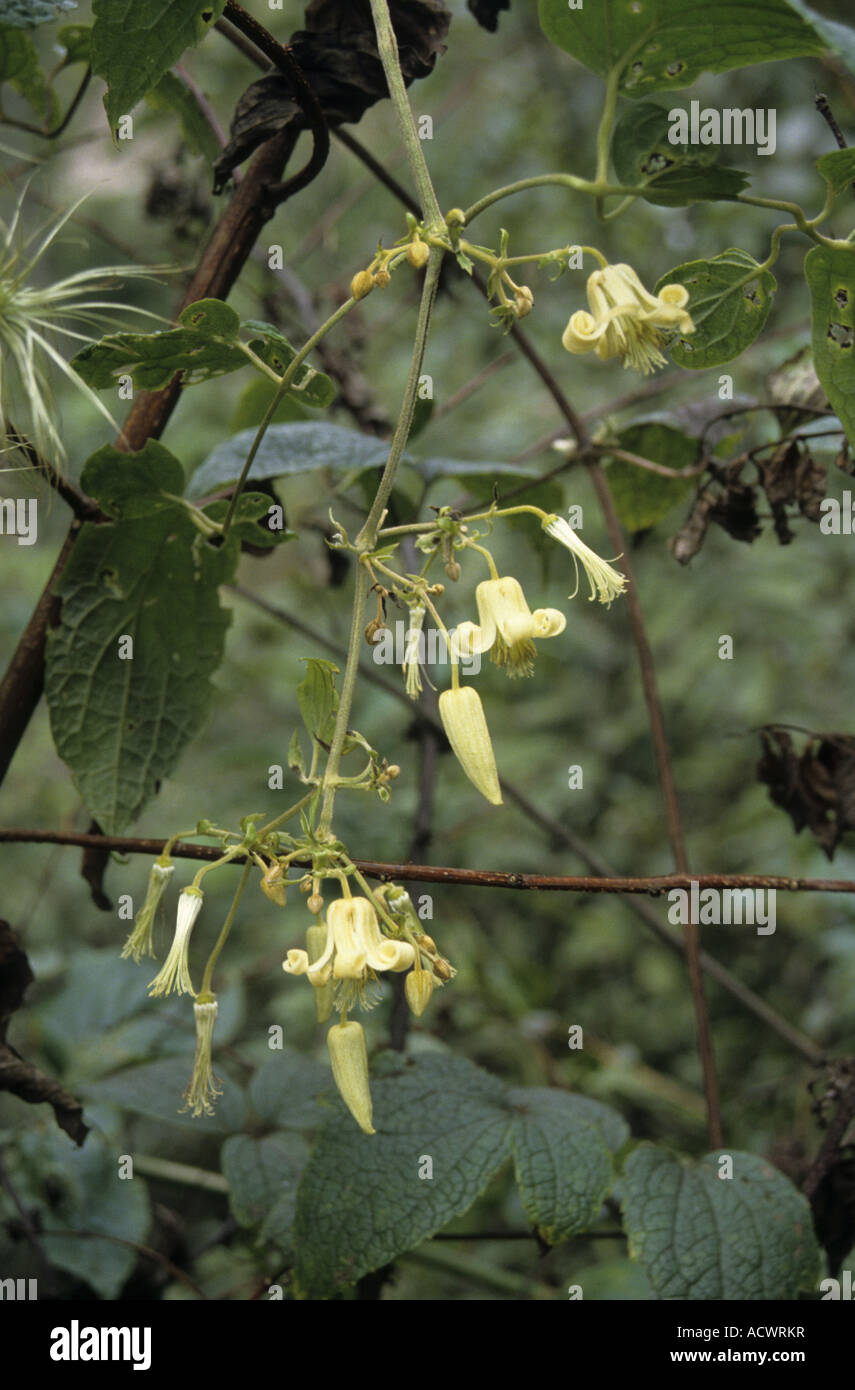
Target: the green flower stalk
pixel 31 317
pixel 140 942
pixel 175 972
pixel 204 1086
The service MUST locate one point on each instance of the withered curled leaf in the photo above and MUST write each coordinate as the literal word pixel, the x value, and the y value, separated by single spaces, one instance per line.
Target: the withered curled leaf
pixel 337 54
pixel 817 787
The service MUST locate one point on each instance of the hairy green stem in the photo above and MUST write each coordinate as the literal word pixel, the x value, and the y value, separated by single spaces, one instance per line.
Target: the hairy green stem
pixel 368 535
pixel 284 387
pixel 226 928
pixel 286 815
pixel 387 46
pixel 348 684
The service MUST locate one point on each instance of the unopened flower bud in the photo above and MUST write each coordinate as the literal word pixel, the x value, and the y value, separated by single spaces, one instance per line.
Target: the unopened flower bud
pixel 523 301
pixel 427 943
pixel 455 218
pixel 462 716
pixel 382 278
pixel 349 1058
pixel 273 885
pixel 374 631
pixel 393 771
pixel 418 254
pixel 452 569
pixel 361 284
pixel 418 988
pixel 315 904
pixel 442 969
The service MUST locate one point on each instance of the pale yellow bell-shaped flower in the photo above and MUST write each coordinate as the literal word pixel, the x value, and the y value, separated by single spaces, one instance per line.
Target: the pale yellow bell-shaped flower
pixel 354 946
pixel 507 626
pixel 462 716
pixel 626 320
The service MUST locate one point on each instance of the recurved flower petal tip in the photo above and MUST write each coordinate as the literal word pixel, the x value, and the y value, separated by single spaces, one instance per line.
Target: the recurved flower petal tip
pixel 462 716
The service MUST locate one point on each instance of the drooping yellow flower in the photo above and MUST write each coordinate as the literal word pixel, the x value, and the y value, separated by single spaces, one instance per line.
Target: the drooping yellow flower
pixel 204 1087
pixel 355 946
pixel 507 626
pixel 462 716
pixel 175 972
pixel 140 942
pixel 606 583
pixel 626 320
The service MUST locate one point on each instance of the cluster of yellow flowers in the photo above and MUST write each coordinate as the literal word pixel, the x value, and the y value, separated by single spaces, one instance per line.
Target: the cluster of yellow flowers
pixel 508 628
pixel 344 956
pixel 627 321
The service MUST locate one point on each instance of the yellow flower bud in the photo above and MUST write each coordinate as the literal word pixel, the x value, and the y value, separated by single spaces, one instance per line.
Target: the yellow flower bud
pixel 523 301
pixel 462 716
pixel 382 278
pixel 455 218
pixel 361 284
pixel 273 886
pixel 349 1058
pixel 315 903
pixel 418 988
pixel 418 254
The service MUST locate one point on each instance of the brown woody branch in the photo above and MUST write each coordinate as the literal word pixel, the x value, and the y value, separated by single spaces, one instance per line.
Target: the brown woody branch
pixel 655 884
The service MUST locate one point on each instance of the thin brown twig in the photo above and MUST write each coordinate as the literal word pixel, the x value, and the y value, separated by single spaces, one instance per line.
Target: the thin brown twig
pixel 84 508
pixel 610 451
pixel 653 884
pixel 63 124
pixel 672 805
